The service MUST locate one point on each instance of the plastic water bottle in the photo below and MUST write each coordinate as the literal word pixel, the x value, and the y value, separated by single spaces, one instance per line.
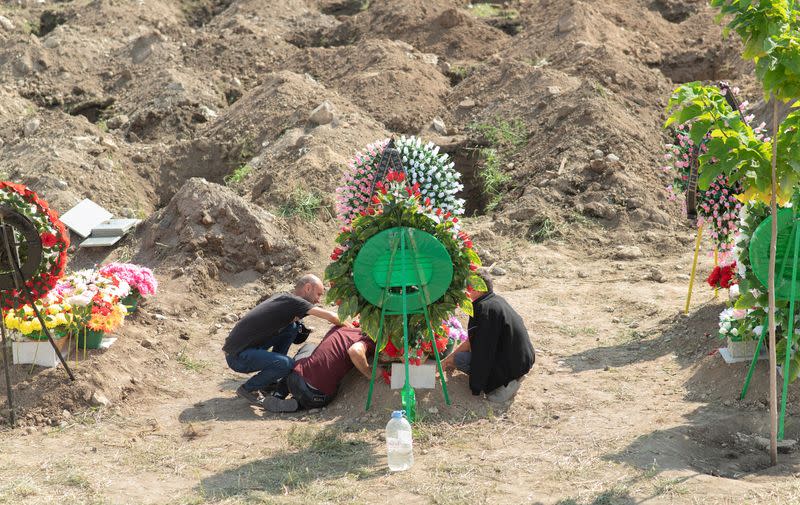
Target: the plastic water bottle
pixel 399 448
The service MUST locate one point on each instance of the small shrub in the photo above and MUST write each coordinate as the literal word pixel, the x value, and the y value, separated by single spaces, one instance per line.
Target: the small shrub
pixel 503 133
pixel 238 175
pixel 303 203
pixel 545 230
pixel 492 176
pixel 505 137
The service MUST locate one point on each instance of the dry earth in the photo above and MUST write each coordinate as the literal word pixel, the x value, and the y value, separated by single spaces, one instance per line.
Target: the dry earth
pixel 196 115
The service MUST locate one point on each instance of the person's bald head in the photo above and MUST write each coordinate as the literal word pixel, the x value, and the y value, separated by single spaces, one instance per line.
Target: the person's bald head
pixel 309 287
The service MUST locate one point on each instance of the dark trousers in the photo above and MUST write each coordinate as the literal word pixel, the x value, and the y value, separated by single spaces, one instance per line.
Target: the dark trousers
pixel 307 396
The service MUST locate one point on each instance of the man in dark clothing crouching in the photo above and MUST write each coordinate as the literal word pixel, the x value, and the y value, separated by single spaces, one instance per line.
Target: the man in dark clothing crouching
pixel 317 372
pixel 498 352
pixel 260 341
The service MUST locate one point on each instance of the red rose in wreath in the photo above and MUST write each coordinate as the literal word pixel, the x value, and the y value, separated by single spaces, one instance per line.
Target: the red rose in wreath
pixel 49 239
pixel 722 276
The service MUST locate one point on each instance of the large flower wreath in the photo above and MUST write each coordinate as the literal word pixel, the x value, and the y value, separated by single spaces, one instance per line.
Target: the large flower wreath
pixel 433 172
pixel 717 206
pixel 397 204
pixel 54 237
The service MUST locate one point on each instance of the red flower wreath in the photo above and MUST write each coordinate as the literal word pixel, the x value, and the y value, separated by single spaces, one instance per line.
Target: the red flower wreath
pixel 55 241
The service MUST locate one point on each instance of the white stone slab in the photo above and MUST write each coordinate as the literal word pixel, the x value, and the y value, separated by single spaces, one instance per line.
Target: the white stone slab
pixel 114 227
pixel 420 377
pixel 100 241
pixel 85 216
pixel 107 342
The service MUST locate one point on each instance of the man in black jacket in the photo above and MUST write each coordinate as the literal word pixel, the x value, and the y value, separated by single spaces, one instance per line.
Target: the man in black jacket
pixel 498 353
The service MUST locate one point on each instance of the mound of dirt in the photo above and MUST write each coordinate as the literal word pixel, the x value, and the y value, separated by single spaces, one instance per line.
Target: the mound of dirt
pixel 439 27
pixel 381 76
pixel 295 149
pixel 66 159
pixel 210 222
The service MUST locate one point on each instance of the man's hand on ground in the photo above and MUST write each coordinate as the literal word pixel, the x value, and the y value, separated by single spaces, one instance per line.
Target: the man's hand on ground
pixel 449 363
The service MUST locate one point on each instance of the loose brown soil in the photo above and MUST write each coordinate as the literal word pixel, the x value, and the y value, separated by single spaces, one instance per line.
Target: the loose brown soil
pixel 195 116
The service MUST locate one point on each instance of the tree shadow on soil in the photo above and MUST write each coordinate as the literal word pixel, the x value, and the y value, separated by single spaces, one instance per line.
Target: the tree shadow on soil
pixel 313 457
pixel 723 436
pixel 717 442
pixel 688 337
pixel 611 497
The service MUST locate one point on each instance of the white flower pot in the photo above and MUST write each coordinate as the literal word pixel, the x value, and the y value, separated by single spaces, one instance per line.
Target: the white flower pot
pixel 742 349
pixel 38 352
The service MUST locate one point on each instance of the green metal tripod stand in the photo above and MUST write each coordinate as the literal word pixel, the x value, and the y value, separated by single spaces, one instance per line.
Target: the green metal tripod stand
pixel 403 270
pixel 786 287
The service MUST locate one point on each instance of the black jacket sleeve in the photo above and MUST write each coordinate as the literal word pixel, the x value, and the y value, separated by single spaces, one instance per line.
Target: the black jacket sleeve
pixel 483 346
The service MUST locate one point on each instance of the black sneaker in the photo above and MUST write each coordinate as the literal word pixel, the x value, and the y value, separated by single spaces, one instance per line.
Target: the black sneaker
pixel 275 404
pixel 269 389
pixel 253 397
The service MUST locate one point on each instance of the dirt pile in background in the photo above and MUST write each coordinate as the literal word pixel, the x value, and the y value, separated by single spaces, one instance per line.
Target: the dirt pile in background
pixel 211 223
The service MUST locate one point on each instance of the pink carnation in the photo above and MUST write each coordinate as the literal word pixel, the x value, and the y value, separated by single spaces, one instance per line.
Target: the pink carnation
pixel 138 277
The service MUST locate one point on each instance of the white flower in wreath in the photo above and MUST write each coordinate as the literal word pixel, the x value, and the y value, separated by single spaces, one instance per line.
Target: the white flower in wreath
pixel 733 292
pixel 80 300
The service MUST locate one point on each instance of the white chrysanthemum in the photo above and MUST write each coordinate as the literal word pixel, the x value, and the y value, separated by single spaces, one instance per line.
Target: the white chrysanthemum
pixel 424 164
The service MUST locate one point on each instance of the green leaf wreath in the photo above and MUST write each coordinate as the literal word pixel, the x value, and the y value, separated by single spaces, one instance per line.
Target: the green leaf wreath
pixel 396 204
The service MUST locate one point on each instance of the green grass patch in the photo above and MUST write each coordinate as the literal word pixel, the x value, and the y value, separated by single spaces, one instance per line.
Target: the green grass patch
pixel 537 62
pixel 238 175
pixel 303 203
pixel 30 27
pixel 501 133
pixel 459 71
pixel 319 465
pixel 505 138
pixel 573 331
pixel 493 11
pixel 188 362
pixel 323 442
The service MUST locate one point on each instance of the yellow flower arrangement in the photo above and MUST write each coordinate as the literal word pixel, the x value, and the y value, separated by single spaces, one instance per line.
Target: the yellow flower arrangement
pixel 55 313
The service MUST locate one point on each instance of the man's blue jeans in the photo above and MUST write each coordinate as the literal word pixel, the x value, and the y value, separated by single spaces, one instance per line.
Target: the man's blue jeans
pixel 463 360
pixel 271 365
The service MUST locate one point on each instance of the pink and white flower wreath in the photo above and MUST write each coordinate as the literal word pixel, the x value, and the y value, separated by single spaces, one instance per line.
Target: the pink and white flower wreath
pixel 435 173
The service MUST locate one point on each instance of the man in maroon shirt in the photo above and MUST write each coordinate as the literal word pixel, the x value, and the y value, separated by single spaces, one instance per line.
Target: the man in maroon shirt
pixel 315 378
